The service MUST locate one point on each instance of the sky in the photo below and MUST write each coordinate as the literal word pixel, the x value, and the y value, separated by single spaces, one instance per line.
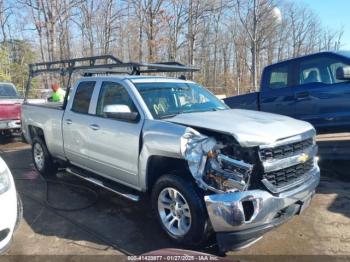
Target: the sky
pixel 333 14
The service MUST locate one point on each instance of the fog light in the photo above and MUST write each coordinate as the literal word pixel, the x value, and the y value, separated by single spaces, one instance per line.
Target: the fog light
pixel 248 208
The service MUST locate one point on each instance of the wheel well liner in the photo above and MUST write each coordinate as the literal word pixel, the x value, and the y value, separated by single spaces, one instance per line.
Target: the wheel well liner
pixel 160 165
pixel 36 132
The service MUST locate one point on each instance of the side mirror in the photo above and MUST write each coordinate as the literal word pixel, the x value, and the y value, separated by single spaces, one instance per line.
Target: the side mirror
pixel 120 112
pixel 343 73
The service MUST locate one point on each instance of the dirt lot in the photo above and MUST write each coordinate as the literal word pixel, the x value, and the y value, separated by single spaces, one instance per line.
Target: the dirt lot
pixel 111 225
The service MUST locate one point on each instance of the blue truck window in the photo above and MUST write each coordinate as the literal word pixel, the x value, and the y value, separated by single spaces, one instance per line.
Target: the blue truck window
pixel 278 77
pixel 320 70
pixel 333 68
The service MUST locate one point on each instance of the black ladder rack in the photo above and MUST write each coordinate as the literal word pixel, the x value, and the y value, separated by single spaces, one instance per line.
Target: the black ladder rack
pixel 105 64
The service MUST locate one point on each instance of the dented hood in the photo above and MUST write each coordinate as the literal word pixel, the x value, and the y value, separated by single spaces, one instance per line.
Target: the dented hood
pixel 249 128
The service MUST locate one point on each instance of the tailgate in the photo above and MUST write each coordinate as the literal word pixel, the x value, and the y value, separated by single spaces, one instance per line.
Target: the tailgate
pixel 10 110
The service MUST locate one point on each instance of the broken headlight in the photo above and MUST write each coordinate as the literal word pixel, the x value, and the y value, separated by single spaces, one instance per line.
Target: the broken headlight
pixel 212 169
pixel 227 174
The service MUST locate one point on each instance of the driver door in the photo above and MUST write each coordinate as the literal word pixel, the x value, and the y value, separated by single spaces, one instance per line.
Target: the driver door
pixel 320 98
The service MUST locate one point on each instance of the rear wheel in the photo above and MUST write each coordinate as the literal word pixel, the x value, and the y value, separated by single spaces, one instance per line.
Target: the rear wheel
pixel 180 210
pixel 42 159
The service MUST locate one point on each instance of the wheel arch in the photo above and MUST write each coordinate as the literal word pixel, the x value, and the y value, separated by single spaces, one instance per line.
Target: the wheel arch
pixel 161 165
pixel 35 131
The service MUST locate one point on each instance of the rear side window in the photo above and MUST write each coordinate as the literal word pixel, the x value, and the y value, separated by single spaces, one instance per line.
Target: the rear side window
pixel 278 77
pixel 82 97
pixel 310 75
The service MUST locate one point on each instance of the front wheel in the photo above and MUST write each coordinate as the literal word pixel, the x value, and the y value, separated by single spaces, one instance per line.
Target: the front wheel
pixel 180 209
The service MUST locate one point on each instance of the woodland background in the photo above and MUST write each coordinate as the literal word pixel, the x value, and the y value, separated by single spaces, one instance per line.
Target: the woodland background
pixel 229 40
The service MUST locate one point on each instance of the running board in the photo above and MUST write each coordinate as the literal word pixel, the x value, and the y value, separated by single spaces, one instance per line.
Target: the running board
pixel 112 186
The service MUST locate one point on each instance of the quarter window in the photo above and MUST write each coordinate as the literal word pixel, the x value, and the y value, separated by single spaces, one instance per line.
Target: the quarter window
pixel 82 97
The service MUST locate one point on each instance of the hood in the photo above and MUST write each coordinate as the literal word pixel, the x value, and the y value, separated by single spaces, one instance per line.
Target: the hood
pixel 249 128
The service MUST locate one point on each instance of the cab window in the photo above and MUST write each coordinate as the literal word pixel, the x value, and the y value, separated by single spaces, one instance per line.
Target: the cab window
pixel 320 70
pixel 112 93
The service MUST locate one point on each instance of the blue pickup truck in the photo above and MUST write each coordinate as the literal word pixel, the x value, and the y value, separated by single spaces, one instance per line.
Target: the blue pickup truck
pixel 314 88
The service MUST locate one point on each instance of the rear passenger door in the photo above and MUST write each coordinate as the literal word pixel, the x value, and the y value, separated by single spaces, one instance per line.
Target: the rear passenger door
pixel 320 97
pixel 276 94
pixel 75 124
pixel 114 144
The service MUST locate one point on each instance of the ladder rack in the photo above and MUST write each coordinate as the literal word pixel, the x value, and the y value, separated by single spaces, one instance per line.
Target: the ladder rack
pixel 105 64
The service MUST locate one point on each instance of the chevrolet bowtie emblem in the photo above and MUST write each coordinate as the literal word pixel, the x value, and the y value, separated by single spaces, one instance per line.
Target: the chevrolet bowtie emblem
pixel 303 158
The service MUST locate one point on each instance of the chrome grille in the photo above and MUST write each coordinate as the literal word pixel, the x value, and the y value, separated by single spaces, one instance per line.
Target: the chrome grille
pixel 288 163
pixel 288 175
pixel 285 150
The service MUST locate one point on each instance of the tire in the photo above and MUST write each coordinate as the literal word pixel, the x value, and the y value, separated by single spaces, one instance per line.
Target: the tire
pixel 195 230
pixel 42 159
pixel 19 211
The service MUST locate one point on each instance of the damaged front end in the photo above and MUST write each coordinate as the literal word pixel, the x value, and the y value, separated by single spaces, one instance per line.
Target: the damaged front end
pixel 213 164
pixel 241 208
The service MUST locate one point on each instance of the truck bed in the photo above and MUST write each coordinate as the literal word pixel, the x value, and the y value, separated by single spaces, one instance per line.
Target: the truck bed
pixel 48 117
pixel 43 103
pixel 248 101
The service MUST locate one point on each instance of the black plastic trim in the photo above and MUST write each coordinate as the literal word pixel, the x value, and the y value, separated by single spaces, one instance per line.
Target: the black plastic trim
pixel 238 239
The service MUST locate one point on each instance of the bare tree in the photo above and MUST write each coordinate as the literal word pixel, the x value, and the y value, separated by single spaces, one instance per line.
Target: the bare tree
pixel 258 22
pixel 230 40
pixel 5 13
pixel 175 19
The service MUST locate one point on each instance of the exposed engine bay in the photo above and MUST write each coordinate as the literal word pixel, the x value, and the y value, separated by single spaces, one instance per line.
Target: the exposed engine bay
pixel 217 163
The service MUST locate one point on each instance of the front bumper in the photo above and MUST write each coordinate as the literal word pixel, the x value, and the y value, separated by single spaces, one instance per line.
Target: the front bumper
pixel 242 217
pixel 10 124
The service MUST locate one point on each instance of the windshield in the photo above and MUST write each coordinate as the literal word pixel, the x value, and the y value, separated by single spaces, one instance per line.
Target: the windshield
pixel 169 99
pixel 8 91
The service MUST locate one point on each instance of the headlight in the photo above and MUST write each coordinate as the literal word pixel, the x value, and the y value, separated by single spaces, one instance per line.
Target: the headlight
pixel 194 148
pixel 212 169
pixel 4 177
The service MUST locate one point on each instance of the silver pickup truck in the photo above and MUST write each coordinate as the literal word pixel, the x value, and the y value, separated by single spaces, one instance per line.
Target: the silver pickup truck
pixel 208 169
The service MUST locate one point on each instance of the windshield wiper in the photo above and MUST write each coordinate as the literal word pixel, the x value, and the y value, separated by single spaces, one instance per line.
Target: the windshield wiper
pixel 169 115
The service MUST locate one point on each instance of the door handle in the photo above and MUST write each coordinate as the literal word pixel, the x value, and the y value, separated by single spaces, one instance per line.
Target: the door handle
pixel 94 127
pixel 69 121
pixel 302 95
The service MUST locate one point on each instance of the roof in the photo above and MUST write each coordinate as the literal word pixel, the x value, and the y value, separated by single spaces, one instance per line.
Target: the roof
pixel 345 54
